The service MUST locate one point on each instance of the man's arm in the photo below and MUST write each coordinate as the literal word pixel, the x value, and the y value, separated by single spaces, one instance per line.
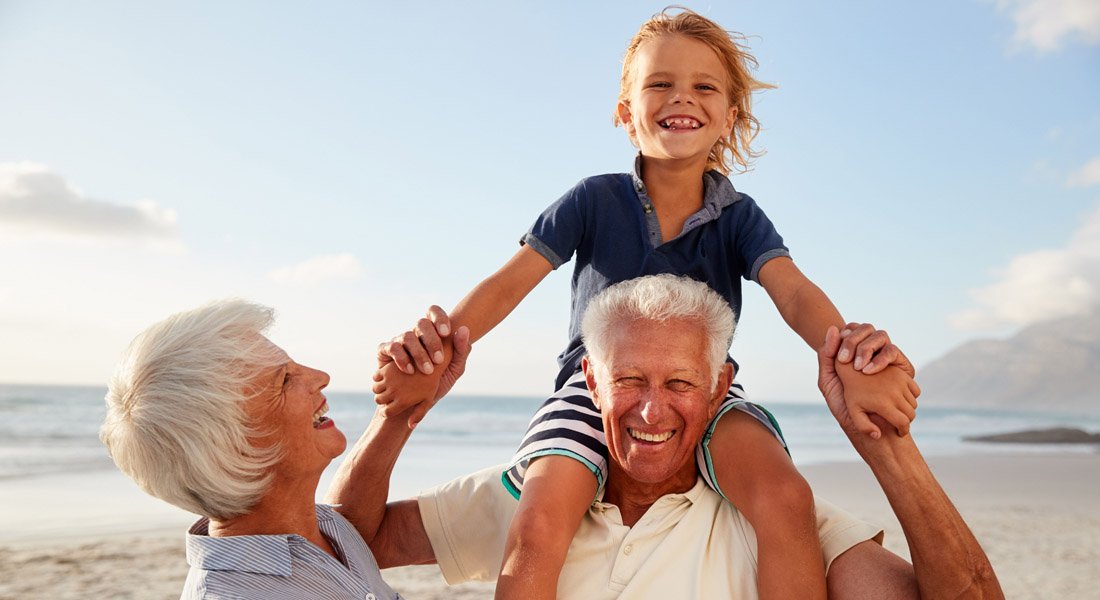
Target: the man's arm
pixel 361 486
pixel 948 562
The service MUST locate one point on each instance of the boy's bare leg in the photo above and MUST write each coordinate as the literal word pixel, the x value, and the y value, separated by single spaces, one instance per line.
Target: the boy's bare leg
pixel 557 491
pixel 759 478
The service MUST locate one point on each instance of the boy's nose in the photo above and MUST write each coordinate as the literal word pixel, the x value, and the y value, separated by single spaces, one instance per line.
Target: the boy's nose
pixel 683 97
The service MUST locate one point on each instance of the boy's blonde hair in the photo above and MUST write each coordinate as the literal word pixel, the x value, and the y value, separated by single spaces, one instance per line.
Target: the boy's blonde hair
pixel 729 153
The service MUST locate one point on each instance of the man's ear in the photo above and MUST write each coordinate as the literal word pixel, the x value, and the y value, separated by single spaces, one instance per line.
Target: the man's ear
pixel 721 386
pixel 590 379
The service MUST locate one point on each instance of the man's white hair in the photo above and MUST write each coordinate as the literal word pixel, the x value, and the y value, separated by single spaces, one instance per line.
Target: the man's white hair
pixel 176 416
pixel 659 298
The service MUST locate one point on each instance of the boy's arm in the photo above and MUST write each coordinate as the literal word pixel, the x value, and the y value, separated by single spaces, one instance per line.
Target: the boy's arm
pixel 399 385
pixel 809 312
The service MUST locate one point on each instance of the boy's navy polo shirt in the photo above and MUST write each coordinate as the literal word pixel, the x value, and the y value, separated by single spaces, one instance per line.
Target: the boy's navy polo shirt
pixel 609 222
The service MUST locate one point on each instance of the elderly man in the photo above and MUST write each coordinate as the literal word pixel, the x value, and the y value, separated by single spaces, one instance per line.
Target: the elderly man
pixel 207 414
pixel 657 374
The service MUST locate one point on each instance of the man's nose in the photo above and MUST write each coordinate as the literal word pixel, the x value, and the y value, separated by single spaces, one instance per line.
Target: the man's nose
pixel 653 408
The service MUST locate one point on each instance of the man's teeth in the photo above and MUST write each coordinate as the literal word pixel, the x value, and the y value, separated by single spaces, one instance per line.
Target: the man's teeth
pixel 650 437
pixel 320 414
pixel 680 123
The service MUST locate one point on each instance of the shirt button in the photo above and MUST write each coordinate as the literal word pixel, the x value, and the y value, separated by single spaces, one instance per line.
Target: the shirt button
pixel 369 596
pixel 629 548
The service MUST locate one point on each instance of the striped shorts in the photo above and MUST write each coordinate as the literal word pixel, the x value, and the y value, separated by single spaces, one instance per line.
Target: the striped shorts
pixel 568 424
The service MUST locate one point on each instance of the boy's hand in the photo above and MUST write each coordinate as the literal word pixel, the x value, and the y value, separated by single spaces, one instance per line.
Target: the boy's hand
pixel 878 381
pixel 890 394
pixel 397 391
pixel 421 346
pixel 870 350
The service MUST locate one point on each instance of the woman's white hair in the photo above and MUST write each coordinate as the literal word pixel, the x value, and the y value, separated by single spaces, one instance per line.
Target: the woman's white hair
pixel 659 298
pixel 176 416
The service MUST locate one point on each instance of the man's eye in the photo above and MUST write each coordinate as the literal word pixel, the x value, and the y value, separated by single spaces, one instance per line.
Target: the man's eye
pixel 680 385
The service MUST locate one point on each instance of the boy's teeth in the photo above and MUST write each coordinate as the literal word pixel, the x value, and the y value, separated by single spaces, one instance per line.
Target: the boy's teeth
pixel 680 123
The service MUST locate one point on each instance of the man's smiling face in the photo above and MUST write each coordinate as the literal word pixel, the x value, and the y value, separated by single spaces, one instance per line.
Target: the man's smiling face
pixel 656 394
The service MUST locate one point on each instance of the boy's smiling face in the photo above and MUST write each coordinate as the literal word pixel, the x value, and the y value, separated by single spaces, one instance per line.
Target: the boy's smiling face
pixel 678 107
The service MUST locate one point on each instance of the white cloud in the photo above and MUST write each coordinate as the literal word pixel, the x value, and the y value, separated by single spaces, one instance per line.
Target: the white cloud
pixel 35 200
pixel 1041 285
pixel 344 267
pixel 1045 24
pixel 1086 176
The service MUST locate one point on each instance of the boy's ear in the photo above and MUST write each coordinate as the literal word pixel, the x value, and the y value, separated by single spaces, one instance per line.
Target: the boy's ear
pixel 731 118
pixel 622 111
pixel 590 379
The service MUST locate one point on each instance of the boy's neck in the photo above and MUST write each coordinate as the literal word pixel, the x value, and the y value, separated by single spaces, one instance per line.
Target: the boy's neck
pixel 673 184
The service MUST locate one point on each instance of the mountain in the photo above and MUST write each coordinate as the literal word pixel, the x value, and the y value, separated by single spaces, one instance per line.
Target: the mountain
pixel 1054 364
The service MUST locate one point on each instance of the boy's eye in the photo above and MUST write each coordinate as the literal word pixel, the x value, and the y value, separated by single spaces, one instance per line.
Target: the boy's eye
pixel 660 84
pixel 706 87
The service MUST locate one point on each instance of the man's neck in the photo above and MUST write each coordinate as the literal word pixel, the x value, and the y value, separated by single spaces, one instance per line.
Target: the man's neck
pixel 633 498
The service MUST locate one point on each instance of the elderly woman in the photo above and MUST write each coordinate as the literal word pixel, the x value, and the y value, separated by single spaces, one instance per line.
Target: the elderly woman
pixel 209 415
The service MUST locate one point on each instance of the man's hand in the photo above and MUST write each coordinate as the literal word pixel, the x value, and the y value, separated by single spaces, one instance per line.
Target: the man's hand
pixel 869 350
pixel 399 391
pixel 853 397
pixel 891 394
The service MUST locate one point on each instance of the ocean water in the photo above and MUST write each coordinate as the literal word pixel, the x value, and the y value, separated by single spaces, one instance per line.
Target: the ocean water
pixel 53 429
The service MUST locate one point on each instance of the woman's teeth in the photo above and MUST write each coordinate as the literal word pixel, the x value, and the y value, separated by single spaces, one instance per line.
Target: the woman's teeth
pixel 319 416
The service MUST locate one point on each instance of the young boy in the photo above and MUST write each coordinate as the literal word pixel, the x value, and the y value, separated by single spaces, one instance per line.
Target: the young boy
pixel 684 101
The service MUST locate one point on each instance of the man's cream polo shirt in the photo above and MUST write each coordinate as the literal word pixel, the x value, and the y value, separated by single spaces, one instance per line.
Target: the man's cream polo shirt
pixel 690 545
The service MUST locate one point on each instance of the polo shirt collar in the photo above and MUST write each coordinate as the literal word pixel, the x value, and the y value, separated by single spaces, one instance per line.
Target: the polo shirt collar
pixel 239 552
pixel 690 496
pixel 718 193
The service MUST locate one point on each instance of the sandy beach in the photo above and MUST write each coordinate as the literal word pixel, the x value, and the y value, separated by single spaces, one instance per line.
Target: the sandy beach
pixel 95 535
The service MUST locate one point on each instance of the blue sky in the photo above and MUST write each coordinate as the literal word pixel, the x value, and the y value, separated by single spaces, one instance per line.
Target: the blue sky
pixel 934 167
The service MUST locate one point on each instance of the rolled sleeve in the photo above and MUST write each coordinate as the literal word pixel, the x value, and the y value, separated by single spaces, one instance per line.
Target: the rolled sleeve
pixel 467 522
pixel 839 530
